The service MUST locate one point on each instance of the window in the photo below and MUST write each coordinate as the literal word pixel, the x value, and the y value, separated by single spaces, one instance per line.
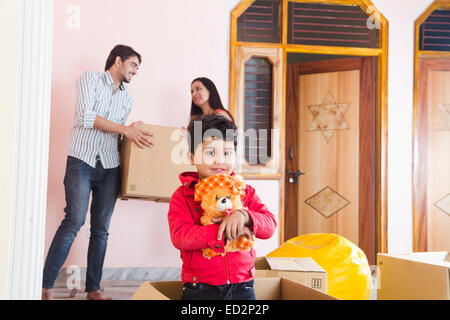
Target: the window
pixel 258 102
pixel 260 22
pixel 435 31
pixel 331 25
pixel 263 30
pixel 258 110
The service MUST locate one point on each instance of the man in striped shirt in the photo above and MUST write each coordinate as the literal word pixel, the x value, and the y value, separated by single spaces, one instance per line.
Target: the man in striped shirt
pixel 103 104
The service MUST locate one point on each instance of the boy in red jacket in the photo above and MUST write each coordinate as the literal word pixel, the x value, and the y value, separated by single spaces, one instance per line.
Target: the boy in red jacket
pixel 213 151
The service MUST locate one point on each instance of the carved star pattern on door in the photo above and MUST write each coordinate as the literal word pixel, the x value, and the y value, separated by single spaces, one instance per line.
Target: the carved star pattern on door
pixel 444 125
pixel 444 204
pixel 328 117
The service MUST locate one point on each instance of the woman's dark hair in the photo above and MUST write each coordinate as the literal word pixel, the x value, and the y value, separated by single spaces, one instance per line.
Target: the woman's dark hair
pixel 210 125
pixel 124 52
pixel 214 98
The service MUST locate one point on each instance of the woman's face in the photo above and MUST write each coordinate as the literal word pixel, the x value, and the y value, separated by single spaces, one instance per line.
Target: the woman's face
pixel 199 93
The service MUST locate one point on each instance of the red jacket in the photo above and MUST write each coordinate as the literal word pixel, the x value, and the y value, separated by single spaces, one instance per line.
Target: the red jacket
pixel 189 236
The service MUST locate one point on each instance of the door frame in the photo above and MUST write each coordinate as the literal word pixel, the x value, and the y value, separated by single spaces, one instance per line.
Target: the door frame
pixel 420 220
pixel 422 59
pixel 367 129
pixel 382 98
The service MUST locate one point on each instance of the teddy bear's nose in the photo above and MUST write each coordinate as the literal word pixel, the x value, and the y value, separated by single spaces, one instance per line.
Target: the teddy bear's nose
pixel 224 200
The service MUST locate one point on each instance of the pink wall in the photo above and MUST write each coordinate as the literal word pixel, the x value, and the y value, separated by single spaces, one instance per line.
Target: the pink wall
pixel 179 40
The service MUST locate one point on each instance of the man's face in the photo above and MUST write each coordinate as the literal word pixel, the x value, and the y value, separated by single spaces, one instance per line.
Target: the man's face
pixel 213 157
pixel 128 68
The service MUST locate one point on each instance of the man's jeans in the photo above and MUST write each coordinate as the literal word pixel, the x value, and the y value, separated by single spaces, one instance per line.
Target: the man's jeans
pixel 79 181
pixel 235 291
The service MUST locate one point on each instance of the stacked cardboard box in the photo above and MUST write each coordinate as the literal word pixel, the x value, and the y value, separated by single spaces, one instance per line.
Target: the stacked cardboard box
pixel 301 270
pixel 415 276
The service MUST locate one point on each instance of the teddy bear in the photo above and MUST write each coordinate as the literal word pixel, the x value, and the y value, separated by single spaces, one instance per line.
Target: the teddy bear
pixel 220 195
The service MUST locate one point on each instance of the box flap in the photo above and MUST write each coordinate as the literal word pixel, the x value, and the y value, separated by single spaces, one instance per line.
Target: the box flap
pixel 294 264
pixel 291 290
pixel 439 258
pixel 170 289
pixel 261 263
pixel 274 288
pixel 448 284
pixel 147 292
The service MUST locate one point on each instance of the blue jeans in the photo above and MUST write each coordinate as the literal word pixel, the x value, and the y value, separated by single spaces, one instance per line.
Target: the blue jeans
pixel 234 291
pixel 79 181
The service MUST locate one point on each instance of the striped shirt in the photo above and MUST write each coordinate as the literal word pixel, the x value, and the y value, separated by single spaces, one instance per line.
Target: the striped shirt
pixel 95 96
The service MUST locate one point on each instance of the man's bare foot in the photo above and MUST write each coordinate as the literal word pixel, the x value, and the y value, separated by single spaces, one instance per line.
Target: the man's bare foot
pixel 97 295
pixel 47 294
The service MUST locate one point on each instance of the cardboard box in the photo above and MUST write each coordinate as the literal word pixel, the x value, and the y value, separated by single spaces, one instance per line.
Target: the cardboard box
pixel 152 173
pixel 421 275
pixel 302 270
pixel 274 288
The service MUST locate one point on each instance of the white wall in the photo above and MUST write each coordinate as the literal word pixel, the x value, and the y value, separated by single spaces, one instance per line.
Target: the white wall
pixel 269 192
pixel 401 15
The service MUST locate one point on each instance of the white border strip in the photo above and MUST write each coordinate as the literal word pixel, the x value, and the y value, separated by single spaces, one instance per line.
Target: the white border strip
pixel 30 172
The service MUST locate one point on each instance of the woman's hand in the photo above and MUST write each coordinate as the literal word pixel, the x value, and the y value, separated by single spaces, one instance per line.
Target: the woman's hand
pixel 234 225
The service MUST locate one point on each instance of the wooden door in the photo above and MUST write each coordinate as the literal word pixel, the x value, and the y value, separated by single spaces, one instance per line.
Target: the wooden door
pixel 331 130
pixel 432 157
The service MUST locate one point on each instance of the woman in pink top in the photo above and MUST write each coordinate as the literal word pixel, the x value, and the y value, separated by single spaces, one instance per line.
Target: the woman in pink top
pixel 206 99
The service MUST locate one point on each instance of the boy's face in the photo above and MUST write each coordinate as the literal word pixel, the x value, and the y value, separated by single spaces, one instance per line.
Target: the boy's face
pixel 214 156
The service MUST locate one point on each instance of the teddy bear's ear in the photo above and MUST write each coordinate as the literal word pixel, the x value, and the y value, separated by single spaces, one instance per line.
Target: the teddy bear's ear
pixel 238 181
pixel 198 195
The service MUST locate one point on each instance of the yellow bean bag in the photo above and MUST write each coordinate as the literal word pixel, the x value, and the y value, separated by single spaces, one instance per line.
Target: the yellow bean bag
pixel 348 272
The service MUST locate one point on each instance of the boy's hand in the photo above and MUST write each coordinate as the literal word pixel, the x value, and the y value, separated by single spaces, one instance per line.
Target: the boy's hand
pixel 247 232
pixel 233 225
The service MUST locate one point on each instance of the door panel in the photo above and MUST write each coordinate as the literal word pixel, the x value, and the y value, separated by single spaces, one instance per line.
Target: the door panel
pixel 331 129
pixel 438 160
pixel 329 153
pixel 431 196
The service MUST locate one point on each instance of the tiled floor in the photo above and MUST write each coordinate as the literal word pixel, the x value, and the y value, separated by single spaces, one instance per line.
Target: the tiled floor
pixel 119 290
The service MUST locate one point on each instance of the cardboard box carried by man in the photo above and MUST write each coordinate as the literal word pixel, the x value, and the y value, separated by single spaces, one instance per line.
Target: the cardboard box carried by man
pixel 152 173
